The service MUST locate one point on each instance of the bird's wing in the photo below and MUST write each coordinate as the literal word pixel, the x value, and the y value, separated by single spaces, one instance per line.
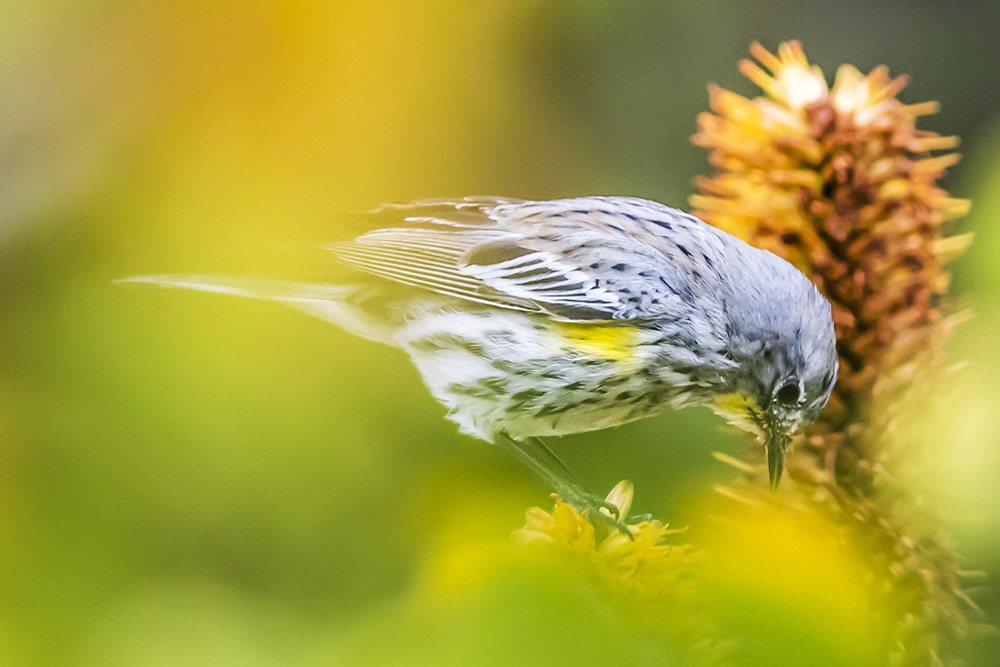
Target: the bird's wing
pixel 589 258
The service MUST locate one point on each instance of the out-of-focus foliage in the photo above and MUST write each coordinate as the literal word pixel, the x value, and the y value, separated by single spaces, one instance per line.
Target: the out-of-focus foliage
pixel 190 480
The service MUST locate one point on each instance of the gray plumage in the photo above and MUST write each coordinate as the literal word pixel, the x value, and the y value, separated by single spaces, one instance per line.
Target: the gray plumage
pixel 497 301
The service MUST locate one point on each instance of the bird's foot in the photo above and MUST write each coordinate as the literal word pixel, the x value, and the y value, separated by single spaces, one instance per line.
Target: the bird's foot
pixel 607 513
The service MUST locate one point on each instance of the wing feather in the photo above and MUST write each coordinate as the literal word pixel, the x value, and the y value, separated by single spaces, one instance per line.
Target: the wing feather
pixel 575 259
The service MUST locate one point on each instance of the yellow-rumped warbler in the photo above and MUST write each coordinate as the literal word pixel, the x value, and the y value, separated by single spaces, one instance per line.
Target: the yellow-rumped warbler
pixel 536 318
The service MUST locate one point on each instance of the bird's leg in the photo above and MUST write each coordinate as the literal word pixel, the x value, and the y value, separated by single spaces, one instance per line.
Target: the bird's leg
pixel 570 488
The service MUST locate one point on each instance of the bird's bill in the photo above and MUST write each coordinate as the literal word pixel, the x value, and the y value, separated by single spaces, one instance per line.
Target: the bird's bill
pixel 775 443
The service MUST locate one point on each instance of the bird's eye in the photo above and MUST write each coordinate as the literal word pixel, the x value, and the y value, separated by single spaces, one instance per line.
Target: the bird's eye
pixel 789 393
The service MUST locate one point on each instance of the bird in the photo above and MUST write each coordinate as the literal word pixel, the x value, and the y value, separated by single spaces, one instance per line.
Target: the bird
pixel 528 319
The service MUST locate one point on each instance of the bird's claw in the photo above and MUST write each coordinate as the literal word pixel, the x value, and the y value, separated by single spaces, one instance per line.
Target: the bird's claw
pixel 600 512
pixel 610 514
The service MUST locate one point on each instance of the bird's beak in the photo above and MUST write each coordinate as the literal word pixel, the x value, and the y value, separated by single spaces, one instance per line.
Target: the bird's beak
pixel 775 443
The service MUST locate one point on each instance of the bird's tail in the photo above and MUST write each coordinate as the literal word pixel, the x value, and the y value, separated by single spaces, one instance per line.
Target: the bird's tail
pixel 340 304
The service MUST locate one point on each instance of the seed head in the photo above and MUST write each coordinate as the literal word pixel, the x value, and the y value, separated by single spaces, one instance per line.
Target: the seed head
pixel 839 181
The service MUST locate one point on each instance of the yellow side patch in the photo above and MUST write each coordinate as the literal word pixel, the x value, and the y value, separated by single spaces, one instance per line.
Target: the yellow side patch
pixel 609 341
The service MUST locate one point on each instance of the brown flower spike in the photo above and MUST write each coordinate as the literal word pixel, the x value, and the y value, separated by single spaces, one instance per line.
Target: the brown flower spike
pixel 839 181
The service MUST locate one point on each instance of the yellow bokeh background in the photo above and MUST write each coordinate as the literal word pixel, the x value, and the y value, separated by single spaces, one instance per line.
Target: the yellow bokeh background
pixel 191 480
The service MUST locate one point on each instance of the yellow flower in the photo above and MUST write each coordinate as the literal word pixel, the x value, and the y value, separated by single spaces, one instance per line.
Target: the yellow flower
pixel 639 570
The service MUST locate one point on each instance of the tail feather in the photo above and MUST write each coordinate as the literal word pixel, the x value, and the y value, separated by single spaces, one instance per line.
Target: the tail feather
pixel 333 303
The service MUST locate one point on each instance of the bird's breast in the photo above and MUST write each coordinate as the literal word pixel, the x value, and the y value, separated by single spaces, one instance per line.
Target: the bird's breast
pixel 531 375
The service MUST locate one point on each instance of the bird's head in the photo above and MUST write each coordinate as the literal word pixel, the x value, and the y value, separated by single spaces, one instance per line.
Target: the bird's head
pixel 785 352
pixel 778 409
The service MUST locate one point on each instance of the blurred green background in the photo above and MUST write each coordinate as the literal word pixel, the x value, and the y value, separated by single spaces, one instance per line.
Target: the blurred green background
pixel 191 480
